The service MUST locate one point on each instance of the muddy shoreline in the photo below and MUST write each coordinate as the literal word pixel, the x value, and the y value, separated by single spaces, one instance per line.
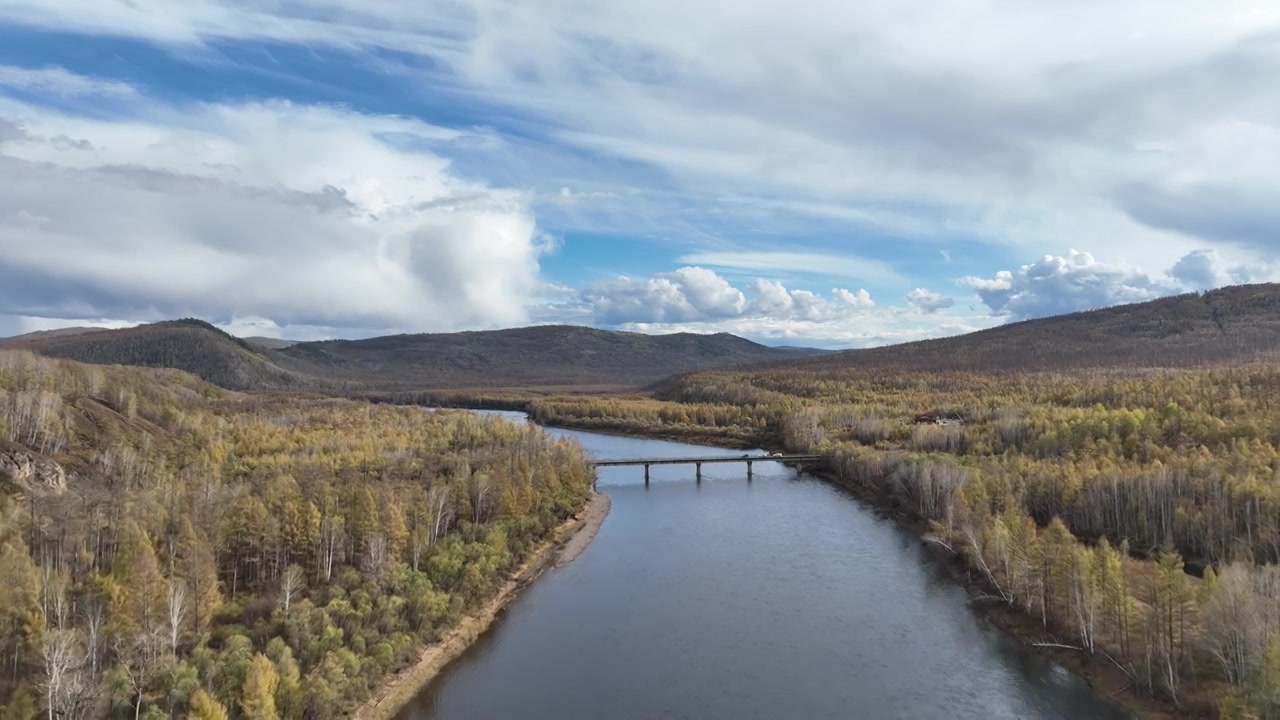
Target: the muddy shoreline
pixel 567 541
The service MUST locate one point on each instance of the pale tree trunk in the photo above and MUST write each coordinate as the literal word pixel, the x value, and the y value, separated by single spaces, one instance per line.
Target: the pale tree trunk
pixel 177 613
pixel 291 583
pixel 440 511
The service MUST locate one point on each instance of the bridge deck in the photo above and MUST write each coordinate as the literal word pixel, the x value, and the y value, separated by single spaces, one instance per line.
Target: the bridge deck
pixel 700 460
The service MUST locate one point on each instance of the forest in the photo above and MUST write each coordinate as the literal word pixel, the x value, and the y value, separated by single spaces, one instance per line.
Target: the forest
pixel 1134 513
pixel 172 549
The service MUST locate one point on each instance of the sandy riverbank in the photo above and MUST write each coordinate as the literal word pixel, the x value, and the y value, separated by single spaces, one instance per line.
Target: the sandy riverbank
pixel 566 543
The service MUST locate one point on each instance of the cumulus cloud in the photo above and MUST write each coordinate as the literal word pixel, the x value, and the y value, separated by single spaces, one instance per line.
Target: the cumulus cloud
pixel 1055 285
pixel 1206 268
pixel 1201 269
pixel 695 297
pixel 888 326
pixel 302 215
pixel 928 301
pixel 688 294
pixel 862 298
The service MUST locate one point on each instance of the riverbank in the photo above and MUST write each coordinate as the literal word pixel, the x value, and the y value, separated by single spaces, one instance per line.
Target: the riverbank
pixel 1100 673
pixel 567 541
pixel 688 437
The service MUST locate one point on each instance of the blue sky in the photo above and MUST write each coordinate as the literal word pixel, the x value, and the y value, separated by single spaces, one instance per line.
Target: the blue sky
pixel 833 174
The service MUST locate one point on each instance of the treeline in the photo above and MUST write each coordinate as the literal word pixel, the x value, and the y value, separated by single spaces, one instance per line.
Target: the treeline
pixel 218 555
pixel 642 415
pixel 1162 468
pixel 1194 641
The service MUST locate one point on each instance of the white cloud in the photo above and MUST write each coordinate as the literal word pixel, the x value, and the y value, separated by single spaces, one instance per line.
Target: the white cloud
pixel 888 326
pixel 1055 285
pixel 687 294
pixel 862 298
pixel 842 265
pixel 928 301
pixel 58 82
pixel 1200 269
pixel 1016 124
pixel 1207 268
pixel 307 216
pixel 694 299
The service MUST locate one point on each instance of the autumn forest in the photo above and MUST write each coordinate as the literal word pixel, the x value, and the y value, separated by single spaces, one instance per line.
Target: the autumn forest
pixel 1134 514
pixel 198 553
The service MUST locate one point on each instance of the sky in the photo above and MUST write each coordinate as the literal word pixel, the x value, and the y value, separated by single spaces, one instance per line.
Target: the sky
pixel 829 173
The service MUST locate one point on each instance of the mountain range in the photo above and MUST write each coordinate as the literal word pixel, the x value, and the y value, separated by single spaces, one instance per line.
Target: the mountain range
pixel 542 356
pixel 1232 324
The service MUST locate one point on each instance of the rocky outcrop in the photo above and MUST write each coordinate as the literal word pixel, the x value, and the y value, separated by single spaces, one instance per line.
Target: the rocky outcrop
pixel 32 473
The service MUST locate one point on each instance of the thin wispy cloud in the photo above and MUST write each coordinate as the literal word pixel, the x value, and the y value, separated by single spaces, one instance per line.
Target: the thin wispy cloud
pixel 823 265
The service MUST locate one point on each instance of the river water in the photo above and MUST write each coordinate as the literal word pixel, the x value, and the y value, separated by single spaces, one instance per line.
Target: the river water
pixel 778 598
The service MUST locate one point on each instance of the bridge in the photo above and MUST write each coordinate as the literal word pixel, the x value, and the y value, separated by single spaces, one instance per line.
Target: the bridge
pixel 749 459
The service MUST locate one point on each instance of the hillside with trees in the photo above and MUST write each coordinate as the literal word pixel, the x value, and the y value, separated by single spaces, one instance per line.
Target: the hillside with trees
pixel 172 549
pixel 191 345
pixel 1230 324
pixel 556 356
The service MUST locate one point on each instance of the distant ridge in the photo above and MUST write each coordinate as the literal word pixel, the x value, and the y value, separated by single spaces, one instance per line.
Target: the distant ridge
pixel 552 355
pixel 1228 325
pixel 269 343
pixel 60 332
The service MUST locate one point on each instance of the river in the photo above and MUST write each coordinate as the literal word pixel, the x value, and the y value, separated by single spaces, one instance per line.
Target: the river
pixel 778 598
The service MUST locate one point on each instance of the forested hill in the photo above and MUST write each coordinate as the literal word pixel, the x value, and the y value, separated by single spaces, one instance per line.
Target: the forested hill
pixel 191 345
pixel 169 549
pixel 535 356
pixel 522 357
pixel 1228 325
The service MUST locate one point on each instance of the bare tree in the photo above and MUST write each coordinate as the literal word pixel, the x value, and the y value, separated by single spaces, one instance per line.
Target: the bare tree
pixel 331 539
pixel 375 555
pixel 61 655
pixel 57 606
pixel 291 583
pixel 94 617
pixel 177 613
pixel 441 510
pixel 481 486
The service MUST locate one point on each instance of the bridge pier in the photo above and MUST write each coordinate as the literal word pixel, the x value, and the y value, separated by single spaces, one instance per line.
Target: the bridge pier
pixel 646 474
